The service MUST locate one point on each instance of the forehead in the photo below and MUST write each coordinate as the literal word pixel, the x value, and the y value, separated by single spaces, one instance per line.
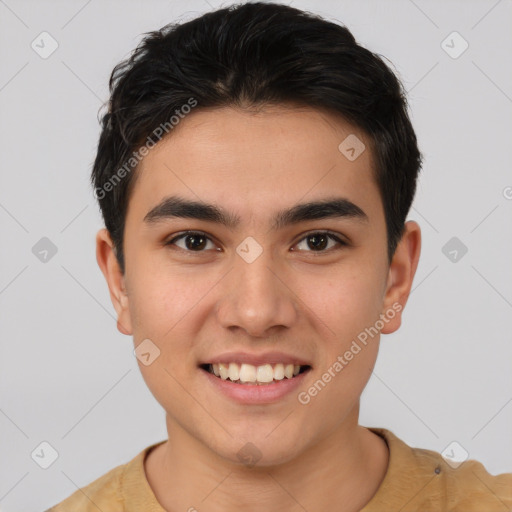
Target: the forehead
pixel 253 161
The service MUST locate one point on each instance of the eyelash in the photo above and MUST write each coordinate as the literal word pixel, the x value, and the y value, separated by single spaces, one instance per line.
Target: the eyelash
pixel 331 235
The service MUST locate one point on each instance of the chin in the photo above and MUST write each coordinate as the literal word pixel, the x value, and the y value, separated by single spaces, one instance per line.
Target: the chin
pixel 258 449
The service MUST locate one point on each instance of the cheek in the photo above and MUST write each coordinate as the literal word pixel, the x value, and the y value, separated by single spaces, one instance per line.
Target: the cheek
pixel 162 307
pixel 167 307
pixel 346 301
pixel 348 306
pixel 160 298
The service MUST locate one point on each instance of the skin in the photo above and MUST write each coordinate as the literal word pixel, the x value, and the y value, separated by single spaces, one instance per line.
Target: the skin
pixel 195 305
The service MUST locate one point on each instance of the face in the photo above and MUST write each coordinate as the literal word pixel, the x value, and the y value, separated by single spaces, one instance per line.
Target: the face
pixel 257 287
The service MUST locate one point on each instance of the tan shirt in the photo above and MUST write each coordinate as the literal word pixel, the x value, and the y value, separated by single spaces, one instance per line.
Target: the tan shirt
pixel 417 480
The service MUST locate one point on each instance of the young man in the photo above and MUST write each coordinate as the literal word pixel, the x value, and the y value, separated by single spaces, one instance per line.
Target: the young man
pixel 254 171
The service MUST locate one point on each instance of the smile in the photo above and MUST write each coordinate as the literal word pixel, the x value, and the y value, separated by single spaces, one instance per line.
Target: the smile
pixel 243 373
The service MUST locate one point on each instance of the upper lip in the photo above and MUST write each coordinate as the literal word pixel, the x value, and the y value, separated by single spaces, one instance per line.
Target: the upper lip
pixel 257 359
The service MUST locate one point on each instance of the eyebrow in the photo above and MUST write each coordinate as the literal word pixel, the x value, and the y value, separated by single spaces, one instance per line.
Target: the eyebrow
pixel 179 207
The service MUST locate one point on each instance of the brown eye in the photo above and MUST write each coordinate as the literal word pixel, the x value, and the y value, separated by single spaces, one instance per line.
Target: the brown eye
pixel 319 241
pixel 193 241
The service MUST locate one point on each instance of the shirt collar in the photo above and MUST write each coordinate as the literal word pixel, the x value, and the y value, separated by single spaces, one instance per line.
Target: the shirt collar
pixel 411 472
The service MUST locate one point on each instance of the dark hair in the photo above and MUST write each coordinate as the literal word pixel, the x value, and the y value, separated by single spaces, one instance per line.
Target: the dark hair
pixel 250 55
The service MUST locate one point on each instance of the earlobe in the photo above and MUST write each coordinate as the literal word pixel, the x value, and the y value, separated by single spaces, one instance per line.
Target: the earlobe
pixel 400 276
pixel 107 261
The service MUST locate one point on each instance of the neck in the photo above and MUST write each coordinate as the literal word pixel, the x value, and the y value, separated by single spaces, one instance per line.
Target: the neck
pixel 345 467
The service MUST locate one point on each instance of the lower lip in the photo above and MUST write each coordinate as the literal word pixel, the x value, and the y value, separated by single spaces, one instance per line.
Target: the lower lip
pixel 256 394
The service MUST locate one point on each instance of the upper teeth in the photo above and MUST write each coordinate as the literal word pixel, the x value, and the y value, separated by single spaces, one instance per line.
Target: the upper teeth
pixel 250 373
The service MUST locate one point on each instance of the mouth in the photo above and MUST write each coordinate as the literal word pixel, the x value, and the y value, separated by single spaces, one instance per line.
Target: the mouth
pixel 251 375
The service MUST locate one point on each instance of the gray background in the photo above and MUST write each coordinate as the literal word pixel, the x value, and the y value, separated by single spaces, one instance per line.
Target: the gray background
pixel 69 378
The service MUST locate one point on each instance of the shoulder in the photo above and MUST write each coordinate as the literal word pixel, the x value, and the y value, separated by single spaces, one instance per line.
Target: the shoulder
pixel 118 490
pixel 429 479
pixel 101 494
pixel 469 486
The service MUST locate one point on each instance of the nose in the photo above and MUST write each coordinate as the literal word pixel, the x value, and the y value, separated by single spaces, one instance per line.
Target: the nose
pixel 256 298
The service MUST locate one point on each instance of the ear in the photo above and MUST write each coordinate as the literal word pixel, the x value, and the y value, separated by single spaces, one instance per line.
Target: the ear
pixel 400 276
pixel 107 261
